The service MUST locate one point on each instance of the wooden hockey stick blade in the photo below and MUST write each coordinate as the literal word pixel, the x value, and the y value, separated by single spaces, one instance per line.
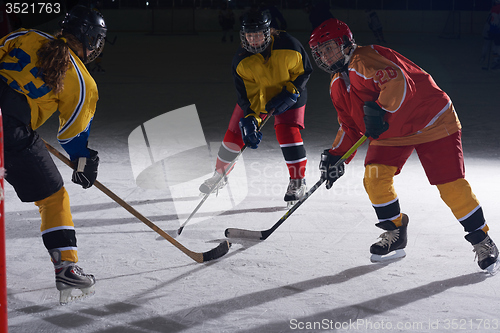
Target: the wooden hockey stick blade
pixel 212 254
pixel 264 234
pixel 216 185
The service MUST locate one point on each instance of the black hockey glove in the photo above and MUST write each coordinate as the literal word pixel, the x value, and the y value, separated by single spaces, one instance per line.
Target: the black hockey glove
pixel 282 102
pixel 250 132
pixel 374 120
pixel 329 171
pixel 85 173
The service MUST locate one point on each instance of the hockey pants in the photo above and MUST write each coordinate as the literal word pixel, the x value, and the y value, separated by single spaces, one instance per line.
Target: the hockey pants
pixel 34 176
pixel 287 130
pixel 444 166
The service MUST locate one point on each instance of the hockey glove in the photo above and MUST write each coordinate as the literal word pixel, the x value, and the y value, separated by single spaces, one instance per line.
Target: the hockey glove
pixel 85 173
pixel 374 120
pixel 329 171
pixel 250 132
pixel 281 102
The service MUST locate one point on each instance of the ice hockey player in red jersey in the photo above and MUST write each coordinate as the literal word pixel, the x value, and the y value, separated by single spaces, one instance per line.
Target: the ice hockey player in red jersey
pixel 42 74
pixel 380 93
pixel 271 70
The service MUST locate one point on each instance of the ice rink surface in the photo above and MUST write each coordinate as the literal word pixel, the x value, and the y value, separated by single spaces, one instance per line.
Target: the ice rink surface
pixel 313 274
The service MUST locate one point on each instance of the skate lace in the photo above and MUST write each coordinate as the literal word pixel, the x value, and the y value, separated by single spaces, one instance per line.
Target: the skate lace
pixel 293 186
pixel 482 251
pixel 78 270
pixel 388 237
pixel 212 181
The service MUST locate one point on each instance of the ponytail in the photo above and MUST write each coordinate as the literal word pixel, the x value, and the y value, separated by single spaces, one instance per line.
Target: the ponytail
pixel 54 60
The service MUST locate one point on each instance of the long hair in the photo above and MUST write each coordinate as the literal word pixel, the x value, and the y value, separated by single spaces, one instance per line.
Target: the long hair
pixel 54 60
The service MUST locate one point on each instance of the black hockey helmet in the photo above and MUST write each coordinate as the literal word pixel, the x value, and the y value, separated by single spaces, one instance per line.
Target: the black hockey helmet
pixel 88 27
pixel 253 22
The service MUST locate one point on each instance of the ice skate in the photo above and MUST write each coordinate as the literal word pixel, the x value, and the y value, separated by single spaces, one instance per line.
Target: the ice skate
pixel 296 189
pixel 392 242
pixel 208 184
pixel 69 277
pixel 486 251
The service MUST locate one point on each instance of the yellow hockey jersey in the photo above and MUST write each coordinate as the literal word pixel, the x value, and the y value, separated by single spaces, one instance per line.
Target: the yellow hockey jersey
pixel 258 79
pixel 76 103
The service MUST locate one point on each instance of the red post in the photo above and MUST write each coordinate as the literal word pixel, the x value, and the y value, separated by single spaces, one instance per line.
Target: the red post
pixel 3 263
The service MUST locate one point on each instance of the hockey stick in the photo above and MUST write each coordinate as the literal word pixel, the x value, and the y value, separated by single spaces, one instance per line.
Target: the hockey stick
pixel 262 235
pixel 215 253
pixel 224 173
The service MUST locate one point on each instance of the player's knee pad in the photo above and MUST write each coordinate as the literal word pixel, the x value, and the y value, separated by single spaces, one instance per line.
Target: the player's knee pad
pixel 55 211
pixel 288 134
pixel 233 140
pixel 378 183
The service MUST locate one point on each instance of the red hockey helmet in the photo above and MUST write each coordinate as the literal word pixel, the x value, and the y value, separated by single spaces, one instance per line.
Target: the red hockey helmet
pixel 331 45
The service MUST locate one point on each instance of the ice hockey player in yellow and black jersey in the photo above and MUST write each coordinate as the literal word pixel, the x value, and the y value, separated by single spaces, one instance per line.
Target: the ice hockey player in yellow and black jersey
pixel 41 74
pixel 271 70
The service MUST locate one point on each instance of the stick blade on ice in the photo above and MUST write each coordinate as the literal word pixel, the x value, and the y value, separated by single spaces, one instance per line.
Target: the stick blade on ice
pixel 243 233
pixel 217 252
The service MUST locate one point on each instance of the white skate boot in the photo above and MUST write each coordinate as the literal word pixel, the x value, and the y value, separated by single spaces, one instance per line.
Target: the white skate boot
pixel 70 276
pixel 208 184
pixel 296 189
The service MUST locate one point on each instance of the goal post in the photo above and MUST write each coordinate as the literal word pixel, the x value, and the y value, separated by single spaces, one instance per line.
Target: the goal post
pixel 3 261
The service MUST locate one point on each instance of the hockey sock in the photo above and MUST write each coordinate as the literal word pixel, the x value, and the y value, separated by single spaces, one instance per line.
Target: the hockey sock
pixel 293 149
pixel 58 231
pixel 229 149
pixel 379 186
pixel 463 203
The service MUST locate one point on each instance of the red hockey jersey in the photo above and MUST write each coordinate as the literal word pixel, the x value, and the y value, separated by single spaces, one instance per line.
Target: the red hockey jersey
pixel 418 110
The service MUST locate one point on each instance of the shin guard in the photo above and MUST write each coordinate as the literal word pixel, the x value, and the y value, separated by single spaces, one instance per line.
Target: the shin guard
pixel 379 186
pixel 58 231
pixel 463 203
pixel 293 149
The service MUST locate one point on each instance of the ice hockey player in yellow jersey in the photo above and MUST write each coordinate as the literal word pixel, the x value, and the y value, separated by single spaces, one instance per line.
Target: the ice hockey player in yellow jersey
pixel 41 74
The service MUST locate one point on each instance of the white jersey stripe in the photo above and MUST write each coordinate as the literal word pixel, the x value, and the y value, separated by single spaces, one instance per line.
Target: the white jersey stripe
pixel 296 161
pixel 292 144
pixel 63 227
pixel 81 100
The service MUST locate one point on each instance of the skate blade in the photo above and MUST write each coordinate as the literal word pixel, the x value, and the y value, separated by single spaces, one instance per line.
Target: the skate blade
pixel 66 296
pixel 494 268
pixel 392 256
pixel 290 204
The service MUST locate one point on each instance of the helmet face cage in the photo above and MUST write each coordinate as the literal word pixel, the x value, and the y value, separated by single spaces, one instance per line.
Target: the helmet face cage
pixel 265 35
pixel 332 45
pixel 331 55
pixel 89 28
pixel 257 26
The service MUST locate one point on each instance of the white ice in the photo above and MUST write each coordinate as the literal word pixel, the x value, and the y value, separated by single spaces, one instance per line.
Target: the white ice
pixel 314 273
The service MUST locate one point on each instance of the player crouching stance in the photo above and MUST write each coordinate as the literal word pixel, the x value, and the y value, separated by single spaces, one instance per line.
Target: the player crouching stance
pixel 380 93
pixel 42 74
pixel 270 69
